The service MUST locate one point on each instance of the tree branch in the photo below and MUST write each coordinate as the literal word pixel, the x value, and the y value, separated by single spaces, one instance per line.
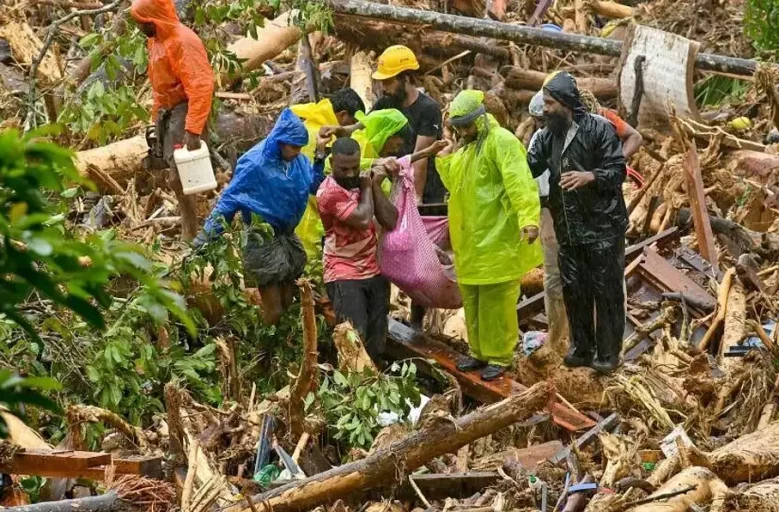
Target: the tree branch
pixel 53 29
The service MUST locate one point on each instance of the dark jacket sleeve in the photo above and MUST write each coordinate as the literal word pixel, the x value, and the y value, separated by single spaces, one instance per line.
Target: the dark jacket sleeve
pixel 538 153
pixel 611 170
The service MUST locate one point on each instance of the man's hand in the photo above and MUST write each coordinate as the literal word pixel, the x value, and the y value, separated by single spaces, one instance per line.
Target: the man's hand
pixel 576 179
pixel 365 180
pixel 436 147
pixel 530 233
pixel 389 166
pixel 444 147
pixel 191 141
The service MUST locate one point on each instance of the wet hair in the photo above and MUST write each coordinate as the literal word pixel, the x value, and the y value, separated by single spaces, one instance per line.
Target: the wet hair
pixel 347 100
pixel 345 146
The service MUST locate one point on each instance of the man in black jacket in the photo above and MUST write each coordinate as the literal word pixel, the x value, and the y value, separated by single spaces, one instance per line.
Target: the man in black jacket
pixel 587 169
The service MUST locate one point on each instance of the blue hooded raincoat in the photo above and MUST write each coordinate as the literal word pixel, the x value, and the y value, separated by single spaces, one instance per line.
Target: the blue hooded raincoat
pixel 265 184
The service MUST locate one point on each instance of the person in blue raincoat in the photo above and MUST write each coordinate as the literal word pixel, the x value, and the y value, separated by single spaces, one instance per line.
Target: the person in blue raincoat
pixel 272 180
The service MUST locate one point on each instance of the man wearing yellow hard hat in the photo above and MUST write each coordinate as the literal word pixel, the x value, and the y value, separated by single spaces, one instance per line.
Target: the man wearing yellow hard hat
pixel 396 72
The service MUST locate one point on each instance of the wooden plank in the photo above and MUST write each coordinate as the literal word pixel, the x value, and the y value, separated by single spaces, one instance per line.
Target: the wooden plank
pixel 700 215
pixel 587 437
pixel 54 463
pixel 409 342
pixel 91 465
pixel 660 273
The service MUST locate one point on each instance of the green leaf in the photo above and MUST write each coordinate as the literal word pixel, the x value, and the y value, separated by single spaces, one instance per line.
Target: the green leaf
pixel 339 378
pixel 89 40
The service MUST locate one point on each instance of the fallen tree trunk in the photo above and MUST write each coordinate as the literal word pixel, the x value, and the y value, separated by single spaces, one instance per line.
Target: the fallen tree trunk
pixel 520 34
pixel 519 78
pixel 763 497
pixel 122 160
pixel 749 458
pixel 374 35
pixel 275 37
pixel 402 457
pixel 707 489
pixel 104 503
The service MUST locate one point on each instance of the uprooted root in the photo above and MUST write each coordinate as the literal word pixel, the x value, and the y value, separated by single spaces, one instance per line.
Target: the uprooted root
pixel 752 457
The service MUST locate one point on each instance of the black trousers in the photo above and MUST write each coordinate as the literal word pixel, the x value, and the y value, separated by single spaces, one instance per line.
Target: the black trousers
pixel 365 303
pixel 593 289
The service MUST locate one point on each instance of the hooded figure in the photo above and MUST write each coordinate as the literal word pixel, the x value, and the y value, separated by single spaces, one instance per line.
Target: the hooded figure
pixel 339 110
pixel 272 180
pixel 178 69
pixel 493 224
pixel 587 169
pixel 182 86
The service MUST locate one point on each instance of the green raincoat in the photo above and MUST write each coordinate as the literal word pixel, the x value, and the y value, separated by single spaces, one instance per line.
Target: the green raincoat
pixel 492 196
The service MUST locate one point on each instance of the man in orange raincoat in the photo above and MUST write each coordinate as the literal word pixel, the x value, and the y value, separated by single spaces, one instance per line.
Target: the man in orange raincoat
pixel 182 85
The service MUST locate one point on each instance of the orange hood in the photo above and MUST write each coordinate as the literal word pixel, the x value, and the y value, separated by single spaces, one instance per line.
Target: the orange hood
pixel 161 13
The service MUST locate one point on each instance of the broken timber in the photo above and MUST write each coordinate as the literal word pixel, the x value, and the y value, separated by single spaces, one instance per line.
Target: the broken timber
pixel 664 276
pixel 692 174
pixel 76 464
pixel 520 34
pixel 401 457
pixel 408 342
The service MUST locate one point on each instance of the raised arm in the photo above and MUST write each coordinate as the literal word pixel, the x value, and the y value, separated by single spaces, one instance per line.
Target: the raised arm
pixel 385 212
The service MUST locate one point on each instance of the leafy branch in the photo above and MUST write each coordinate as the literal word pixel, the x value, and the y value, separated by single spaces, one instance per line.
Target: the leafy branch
pixel 53 30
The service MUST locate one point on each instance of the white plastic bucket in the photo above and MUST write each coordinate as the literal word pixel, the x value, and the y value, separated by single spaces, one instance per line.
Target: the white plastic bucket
pixel 195 170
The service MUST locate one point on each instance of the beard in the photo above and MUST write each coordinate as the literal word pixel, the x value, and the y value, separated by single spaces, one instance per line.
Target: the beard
pixel 556 123
pixel 348 183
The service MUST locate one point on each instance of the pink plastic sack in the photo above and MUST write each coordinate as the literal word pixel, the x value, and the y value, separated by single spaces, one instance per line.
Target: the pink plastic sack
pixel 409 254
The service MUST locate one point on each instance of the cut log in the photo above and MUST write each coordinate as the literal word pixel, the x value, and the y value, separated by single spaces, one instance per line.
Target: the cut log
pixel 519 78
pixel 123 160
pixel 307 380
pixel 360 77
pixel 25 47
pixel 749 458
pixel 352 356
pixel 377 35
pixel 706 486
pixel 382 467
pixel 275 37
pixel 520 34
pixel 109 502
pixel 612 10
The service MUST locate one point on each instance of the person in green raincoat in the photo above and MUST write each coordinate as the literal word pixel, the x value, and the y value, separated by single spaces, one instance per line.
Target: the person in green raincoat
pixel 381 132
pixel 341 109
pixel 494 214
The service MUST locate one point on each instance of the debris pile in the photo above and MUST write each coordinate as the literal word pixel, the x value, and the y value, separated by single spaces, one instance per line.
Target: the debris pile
pixel 689 420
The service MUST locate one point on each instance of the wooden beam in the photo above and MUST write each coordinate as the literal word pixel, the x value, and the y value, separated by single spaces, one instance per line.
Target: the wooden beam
pixel 700 215
pixel 408 342
pixel 75 464
pixel 53 463
pixel 665 277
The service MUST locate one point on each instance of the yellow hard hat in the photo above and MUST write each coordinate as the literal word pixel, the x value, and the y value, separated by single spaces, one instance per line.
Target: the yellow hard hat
pixel 394 60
